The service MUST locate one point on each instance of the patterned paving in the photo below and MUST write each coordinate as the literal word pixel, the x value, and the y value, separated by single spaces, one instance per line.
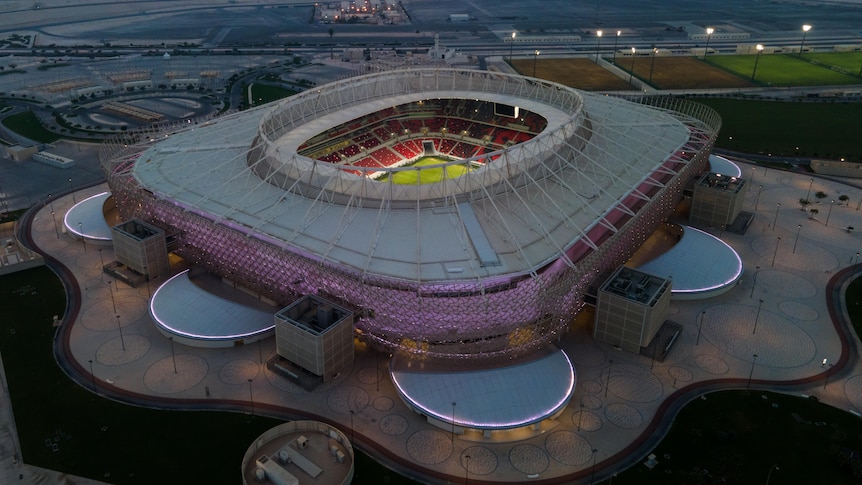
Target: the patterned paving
pixel 634 383
pixel 568 448
pixel 394 424
pixel 482 460
pixel 623 415
pixel 238 372
pixel 429 446
pixel 529 459
pixel 586 421
pixel 160 377
pixel 346 399
pixel 111 352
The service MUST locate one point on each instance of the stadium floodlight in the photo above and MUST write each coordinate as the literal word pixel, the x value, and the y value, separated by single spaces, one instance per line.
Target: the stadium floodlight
pixel 535 58
pixel 512 46
pixel 598 44
pixel 616 40
pixel 632 70
pixel 709 31
pixel 805 29
pixel 652 63
pixel 756 59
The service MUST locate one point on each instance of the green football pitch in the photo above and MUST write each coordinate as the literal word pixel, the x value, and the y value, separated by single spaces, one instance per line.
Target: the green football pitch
pixel 426 175
pixel 789 70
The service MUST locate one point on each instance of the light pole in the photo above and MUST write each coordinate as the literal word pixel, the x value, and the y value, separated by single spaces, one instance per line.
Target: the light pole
pixel 805 29
pixel 795 241
pixel 751 373
pixel 769 475
pixel 598 44
pixel 827 377
pixel 774 253
pixel 699 326
pixel 593 473
pixel 467 469
pixel 756 60
pixel 616 41
pixel 56 231
pixel 808 195
pixel 757 199
pixel 652 63
pixel 250 397
pixel 757 316
pixel 580 417
pixel 753 285
pixel 608 380
pixel 81 231
pixel 831 202
pixel 535 59
pixel 72 190
pixel 453 421
pixel 775 220
pixel 709 31
pixel 512 46
pixel 173 355
pixel 111 291
pixel 352 412
pixel 122 340
pixel 632 70
pixel 93 376
pixel 857 260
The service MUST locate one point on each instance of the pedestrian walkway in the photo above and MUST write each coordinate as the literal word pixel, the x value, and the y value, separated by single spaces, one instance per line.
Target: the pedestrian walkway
pixel 773 331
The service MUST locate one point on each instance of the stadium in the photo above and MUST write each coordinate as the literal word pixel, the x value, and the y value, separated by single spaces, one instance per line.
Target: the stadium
pixel 462 214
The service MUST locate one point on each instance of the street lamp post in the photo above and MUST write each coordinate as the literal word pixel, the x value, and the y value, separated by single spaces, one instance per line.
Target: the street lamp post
pixel 593 473
pixel 56 231
pixel 857 260
pixel 757 316
pixel 83 238
pixel 826 382
pixel 614 54
pixel 173 355
pixel 774 253
pixel 709 31
pixel 453 421
pixel 756 60
pixel 467 469
pixel 769 475
pixel 808 195
pixel 580 417
pixel 751 372
pixel 608 380
pixel 535 59
pixel 250 397
pixel 805 29
pixel 754 284
pixel 775 220
pixel 111 291
pixel 122 340
pixel 699 326
pixel 512 46
pixel 831 202
pixel 598 44
pixel 93 376
pixel 72 190
pixel 652 63
pixel 798 228
pixel 757 199
pixel 632 70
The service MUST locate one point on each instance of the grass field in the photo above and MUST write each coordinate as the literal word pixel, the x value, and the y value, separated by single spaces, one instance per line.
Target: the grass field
pixel 783 70
pixel 265 93
pixel 577 73
pixel 825 130
pixel 27 124
pixel 682 73
pixel 849 61
pixel 428 175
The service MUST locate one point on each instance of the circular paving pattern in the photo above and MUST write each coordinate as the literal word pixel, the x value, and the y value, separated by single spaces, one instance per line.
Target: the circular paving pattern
pixel 681 374
pixel 393 424
pixel 633 383
pixel 112 352
pixel 370 375
pixel 568 448
pixel 100 316
pixel 798 311
pixel 588 421
pixel 623 415
pixel 346 399
pixel 591 402
pixel 586 355
pixel 281 383
pixel 591 387
pixel 778 343
pixel 482 460
pixel 238 371
pixel 853 391
pixel 529 459
pixel 711 364
pixel 383 404
pixel 429 446
pixel 783 284
pixel 161 378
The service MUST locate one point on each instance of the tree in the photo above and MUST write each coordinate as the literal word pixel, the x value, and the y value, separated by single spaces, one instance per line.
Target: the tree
pixel 812 213
pixel 820 194
pixel 804 202
pixel 331 33
pixel 844 198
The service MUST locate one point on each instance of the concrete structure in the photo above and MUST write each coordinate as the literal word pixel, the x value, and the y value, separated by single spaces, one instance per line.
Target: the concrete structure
pixel 19 153
pixel 316 335
pixel 836 168
pixel 53 159
pixel 299 453
pixel 141 247
pixel 631 308
pixel 717 200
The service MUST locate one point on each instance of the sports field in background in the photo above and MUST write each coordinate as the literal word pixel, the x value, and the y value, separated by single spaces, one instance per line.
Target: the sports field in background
pixel 681 73
pixel 428 175
pixel 579 73
pixel 788 69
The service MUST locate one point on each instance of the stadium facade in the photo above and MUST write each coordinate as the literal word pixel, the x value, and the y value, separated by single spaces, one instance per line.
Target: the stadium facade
pixel 303 197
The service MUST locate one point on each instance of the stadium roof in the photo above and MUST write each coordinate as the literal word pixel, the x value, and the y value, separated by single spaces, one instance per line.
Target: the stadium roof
pixel 511 216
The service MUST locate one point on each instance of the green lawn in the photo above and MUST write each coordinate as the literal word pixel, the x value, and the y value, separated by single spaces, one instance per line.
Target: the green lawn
pixel 27 124
pixel 428 175
pixel 265 93
pixel 736 437
pixel 826 130
pixel 849 61
pixel 103 439
pixel 782 70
